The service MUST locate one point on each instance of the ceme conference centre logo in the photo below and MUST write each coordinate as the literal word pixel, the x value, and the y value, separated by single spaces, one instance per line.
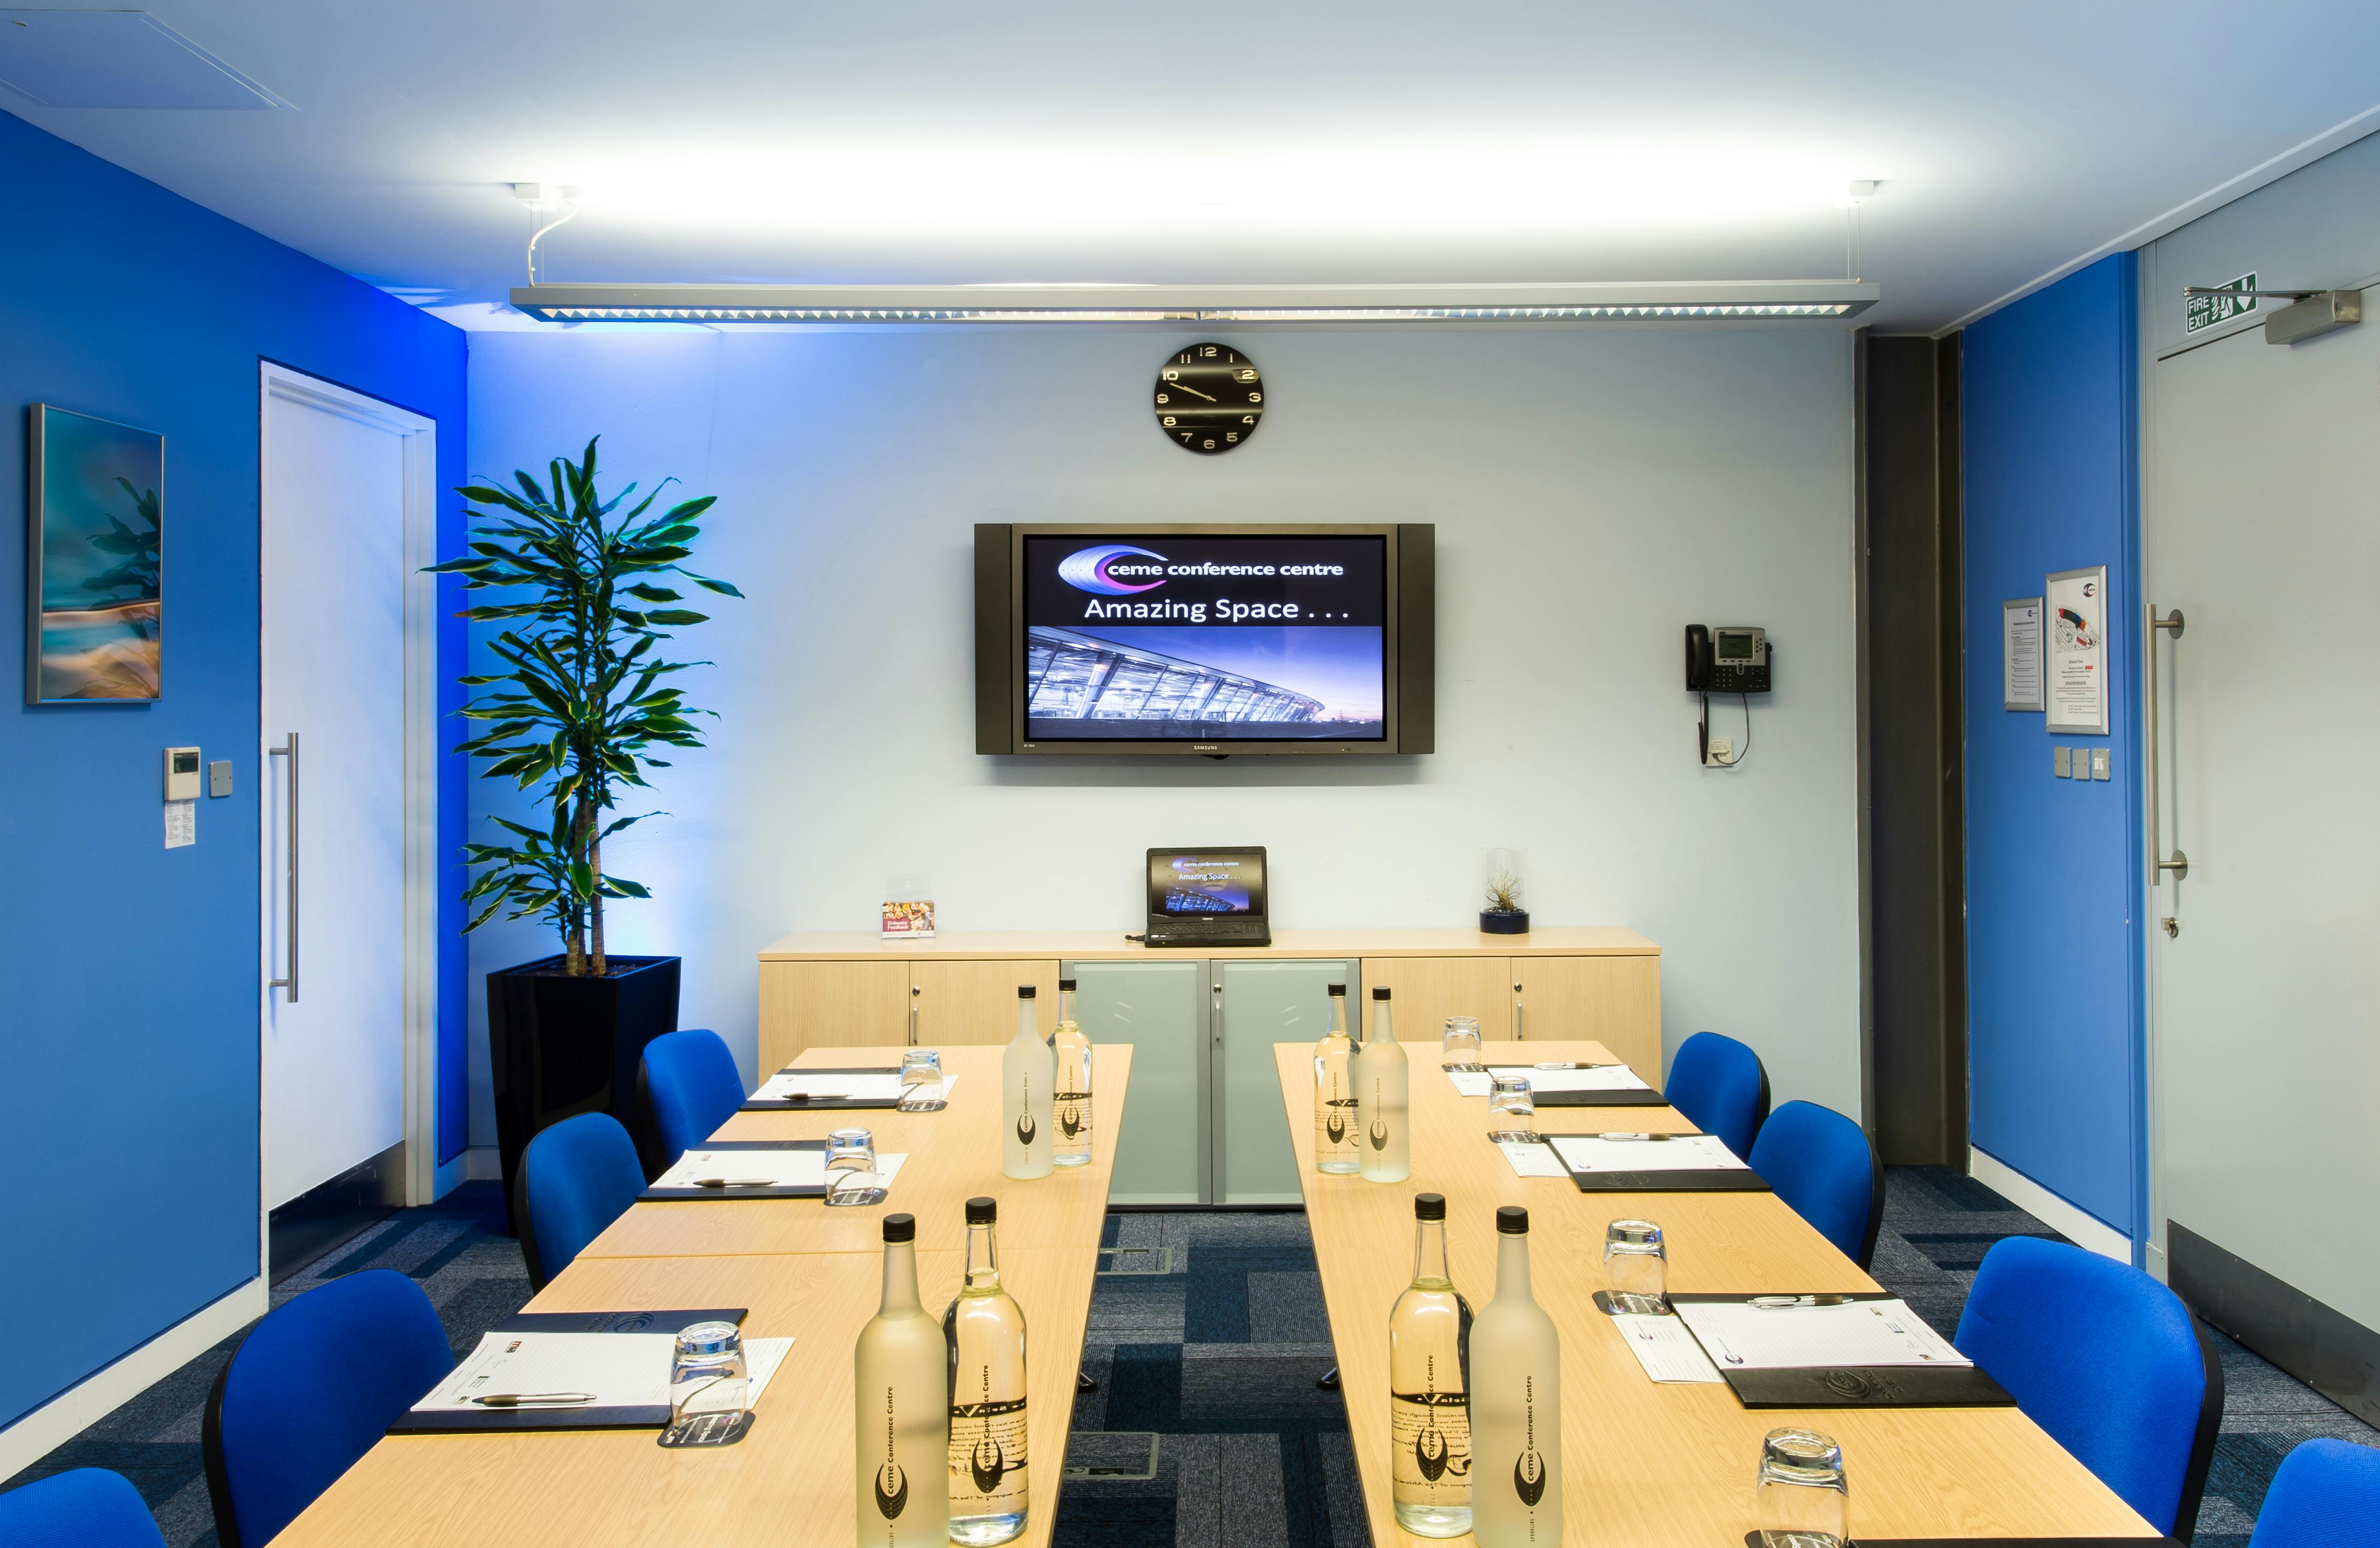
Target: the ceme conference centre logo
pixel 1115 569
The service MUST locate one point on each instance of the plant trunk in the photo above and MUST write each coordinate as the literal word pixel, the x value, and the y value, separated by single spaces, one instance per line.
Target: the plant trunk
pixel 595 905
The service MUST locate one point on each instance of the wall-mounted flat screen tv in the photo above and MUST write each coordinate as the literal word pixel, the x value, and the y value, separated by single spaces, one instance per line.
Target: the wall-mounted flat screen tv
pixel 1213 639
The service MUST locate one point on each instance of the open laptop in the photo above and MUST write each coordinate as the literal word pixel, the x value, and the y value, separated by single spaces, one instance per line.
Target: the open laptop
pixel 1208 897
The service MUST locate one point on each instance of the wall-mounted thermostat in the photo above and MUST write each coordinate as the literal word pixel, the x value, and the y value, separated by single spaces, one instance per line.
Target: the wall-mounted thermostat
pixel 182 773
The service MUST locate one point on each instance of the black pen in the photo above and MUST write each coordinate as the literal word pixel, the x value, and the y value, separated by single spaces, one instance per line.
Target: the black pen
pixel 532 1399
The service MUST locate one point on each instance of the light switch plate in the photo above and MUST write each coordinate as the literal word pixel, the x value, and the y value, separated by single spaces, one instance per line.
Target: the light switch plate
pixel 182 773
pixel 2060 763
pixel 2098 763
pixel 219 777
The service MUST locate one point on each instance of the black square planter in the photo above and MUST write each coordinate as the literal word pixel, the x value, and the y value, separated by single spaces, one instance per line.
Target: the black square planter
pixel 559 1046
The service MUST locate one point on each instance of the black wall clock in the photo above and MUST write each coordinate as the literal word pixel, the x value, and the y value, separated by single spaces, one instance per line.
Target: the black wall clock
pixel 1208 399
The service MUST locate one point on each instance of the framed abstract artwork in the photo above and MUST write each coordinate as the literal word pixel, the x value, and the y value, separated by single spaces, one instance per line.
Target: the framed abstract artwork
pixel 94 560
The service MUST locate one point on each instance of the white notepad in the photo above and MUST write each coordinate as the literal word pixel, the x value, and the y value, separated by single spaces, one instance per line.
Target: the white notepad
pixel 872 1087
pixel 1665 1348
pixel 788 1168
pixel 1860 1333
pixel 623 1369
pixel 1682 1153
pixel 1604 1078
pixel 1531 1159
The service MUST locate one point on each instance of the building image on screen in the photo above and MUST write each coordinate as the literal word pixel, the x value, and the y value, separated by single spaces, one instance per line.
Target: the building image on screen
pixel 1205 639
pixel 1203 885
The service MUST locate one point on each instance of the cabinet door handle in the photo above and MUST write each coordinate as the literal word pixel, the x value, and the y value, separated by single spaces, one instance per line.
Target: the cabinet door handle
pixel 913 993
pixel 290 752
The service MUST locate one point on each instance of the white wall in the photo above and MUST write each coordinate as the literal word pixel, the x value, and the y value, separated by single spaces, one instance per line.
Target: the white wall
pixel 1594 492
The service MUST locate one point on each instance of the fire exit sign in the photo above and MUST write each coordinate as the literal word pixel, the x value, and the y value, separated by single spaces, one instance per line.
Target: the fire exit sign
pixel 2201 313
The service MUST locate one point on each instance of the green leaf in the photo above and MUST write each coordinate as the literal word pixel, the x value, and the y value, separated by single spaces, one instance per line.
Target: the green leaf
pixel 674 617
pixel 653 594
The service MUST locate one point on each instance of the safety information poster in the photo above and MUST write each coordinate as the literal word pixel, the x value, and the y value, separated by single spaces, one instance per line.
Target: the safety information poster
pixel 2021 653
pixel 2075 633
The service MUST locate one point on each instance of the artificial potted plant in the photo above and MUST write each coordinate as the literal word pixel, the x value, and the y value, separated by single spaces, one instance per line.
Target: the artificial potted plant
pixel 583 704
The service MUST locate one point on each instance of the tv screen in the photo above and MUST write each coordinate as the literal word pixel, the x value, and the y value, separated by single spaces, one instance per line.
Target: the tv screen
pixel 1231 638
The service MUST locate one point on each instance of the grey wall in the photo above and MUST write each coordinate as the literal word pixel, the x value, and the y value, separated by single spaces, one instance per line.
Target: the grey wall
pixel 1593 492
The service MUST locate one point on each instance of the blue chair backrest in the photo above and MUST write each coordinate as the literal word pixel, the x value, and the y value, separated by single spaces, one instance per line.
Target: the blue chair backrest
pixel 1718 1083
pixel 692 1086
pixel 309 1391
pixel 577 1177
pixel 1821 1163
pixel 2108 1361
pixel 2326 1495
pixel 89 1507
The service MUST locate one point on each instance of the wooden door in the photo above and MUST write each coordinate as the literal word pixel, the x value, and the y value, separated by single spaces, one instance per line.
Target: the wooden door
pixel 959 1002
pixel 1615 1001
pixel 831 1005
pixel 1425 990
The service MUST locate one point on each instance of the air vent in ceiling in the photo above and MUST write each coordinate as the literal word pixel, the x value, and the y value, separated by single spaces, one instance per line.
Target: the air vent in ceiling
pixel 116 59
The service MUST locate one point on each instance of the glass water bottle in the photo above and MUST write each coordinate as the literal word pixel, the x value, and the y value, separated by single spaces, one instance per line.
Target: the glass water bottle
pixel 1381 1106
pixel 1334 1092
pixel 1071 1109
pixel 1430 1414
pixel 984 1332
pixel 1028 1071
pixel 1515 1366
pixel 901 1418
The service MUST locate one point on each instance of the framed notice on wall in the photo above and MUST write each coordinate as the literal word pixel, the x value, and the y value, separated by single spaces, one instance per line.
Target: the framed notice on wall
pixel 2074 650
pixel 2021 653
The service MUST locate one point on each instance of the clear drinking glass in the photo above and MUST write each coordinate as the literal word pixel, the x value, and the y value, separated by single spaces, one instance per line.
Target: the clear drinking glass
pixel 920 1066
pixel 1459 1048
pixel 1804 1500
pixel 851 1168
pixel 1511 1111
pixel 709 1387
pixel 1636 1265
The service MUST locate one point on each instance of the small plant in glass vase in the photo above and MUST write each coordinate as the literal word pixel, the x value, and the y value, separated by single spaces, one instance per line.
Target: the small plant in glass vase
pixel 1501 913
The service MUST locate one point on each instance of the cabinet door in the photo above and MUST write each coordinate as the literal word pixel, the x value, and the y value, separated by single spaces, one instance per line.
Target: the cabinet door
pixel 1615 1001
pixel 959 1002
pixel 1160 1009
pixel 830 1004
pixel 1427 990
pixel 1257 1004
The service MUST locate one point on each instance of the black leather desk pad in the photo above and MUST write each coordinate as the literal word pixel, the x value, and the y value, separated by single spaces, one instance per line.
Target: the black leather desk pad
pixel 499 1422
pixel 1752 1539
pixel 712 1195
pixel 824 1103
pixel 1864 1386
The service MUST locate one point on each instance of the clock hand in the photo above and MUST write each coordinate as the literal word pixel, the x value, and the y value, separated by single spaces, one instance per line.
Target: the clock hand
pixel 1180 386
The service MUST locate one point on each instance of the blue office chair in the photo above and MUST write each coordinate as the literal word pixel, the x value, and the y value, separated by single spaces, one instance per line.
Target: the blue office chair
pixel 691 1087
pixel 1720 1084
pixel 307 1392
pixel 2109 1362
pixel 1821 1163
pixel 576 1177
pixel 2326 1495
pixel 88 1507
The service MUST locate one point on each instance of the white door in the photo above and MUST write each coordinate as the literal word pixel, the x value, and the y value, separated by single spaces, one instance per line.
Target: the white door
pixel 2262 528
pixel 340 815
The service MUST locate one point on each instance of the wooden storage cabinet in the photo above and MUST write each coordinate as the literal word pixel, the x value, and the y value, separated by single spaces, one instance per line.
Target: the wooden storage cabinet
pixel 1425 990
pixel 1615 1001
pixel 960 1002
pixel 810 1005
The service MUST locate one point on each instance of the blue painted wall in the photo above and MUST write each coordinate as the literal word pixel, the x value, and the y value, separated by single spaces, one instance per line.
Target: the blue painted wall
pixel 129 973
pixel 2055 989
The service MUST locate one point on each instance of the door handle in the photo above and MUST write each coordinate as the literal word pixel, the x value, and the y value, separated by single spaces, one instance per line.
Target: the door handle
pixel 913 993
pixel 2158 864
pixel 1520 1016
pixel 290 752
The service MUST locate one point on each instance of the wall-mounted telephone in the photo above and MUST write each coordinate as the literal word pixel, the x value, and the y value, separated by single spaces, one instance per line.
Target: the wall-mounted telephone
pixel 1732 658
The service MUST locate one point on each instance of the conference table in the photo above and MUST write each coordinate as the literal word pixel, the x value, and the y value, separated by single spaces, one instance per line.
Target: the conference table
pixel 803 1270
pixel 1646 1465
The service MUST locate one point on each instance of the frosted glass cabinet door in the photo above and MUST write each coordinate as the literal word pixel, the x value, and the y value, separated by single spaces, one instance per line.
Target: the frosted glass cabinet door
pixel 1257 1005
pixel 1160 1009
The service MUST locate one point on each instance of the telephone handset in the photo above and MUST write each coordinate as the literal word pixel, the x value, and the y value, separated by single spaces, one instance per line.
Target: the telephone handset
pixel 1730 659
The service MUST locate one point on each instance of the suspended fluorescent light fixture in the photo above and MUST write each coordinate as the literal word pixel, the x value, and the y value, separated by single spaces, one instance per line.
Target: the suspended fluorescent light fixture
pixel 1520 305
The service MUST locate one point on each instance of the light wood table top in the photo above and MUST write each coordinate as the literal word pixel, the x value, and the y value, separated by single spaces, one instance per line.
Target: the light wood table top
pixel 1650 1466
pixel 954 1156
pixel 789 1481
pixel 1110 945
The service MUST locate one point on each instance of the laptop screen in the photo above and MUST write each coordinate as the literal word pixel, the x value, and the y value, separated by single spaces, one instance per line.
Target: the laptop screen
pixel 1206 884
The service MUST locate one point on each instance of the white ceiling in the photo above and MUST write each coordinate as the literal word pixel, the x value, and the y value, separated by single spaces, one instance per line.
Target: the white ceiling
pixel 1231 140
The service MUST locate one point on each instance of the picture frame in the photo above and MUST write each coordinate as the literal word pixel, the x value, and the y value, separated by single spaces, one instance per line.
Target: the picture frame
pixel 94 560
pixel 2074 650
